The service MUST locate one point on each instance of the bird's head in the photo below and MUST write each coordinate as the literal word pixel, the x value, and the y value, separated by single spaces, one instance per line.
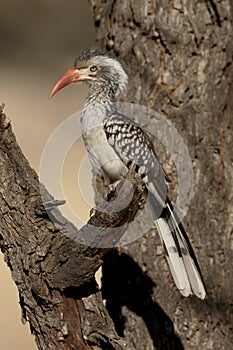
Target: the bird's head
pixel 101 70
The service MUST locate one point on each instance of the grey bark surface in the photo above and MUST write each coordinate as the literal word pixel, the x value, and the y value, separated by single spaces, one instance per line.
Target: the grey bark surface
pixel 178 55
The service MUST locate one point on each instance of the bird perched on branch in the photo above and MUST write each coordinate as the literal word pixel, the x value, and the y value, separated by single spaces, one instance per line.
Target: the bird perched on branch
pixel 113 142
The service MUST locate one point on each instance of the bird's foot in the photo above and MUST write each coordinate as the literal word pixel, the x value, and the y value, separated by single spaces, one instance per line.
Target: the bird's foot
pixel 112 191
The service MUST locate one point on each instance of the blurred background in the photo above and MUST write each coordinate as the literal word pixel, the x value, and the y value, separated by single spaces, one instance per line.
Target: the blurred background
pixel 39 41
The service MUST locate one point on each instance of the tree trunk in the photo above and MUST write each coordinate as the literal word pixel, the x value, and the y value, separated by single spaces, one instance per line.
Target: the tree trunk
pixel 178 55
pixel 52 265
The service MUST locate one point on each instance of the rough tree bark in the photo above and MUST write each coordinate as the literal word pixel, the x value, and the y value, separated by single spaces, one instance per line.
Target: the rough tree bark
pixel 53 272
pixel 178 55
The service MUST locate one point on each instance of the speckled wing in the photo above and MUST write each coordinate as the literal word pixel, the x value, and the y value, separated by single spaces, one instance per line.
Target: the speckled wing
pixel 132 144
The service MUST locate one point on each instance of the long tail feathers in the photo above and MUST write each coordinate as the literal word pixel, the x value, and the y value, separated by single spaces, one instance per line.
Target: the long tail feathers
pixel 180 256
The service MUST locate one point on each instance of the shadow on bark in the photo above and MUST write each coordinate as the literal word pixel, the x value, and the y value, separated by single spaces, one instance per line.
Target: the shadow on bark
pixel 125 284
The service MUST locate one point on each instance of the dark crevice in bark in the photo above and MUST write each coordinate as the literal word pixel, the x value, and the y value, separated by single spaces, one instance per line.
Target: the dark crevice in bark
pixel 163 44
pixel 212 4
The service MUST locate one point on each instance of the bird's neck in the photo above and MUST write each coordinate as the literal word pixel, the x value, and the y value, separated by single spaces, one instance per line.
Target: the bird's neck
pixel 98 104
pixel 100 94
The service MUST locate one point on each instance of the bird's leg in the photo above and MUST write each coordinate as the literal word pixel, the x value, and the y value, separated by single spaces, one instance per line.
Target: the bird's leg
pixel 133 169
pixel 113 187
pixel 112 190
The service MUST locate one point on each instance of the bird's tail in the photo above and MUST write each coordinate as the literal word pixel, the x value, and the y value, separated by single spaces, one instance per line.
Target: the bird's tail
pixel 180 256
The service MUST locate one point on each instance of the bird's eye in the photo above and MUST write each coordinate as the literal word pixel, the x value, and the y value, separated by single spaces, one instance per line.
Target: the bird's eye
pixel 93 69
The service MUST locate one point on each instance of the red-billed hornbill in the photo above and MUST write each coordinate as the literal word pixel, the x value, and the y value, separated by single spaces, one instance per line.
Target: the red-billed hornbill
pixel 114 141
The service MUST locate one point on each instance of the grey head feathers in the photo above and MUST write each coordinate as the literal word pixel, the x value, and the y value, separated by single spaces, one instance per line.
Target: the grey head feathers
pixel 110 74
pixel 87 54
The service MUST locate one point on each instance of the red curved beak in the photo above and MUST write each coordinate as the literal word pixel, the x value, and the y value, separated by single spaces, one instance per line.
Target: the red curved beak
pixel 69 77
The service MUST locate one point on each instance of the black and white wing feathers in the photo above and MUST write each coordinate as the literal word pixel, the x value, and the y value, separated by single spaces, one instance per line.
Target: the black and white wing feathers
pixel 132 144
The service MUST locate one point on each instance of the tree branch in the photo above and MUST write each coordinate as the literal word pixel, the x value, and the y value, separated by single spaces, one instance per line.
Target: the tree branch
pixel 53 271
